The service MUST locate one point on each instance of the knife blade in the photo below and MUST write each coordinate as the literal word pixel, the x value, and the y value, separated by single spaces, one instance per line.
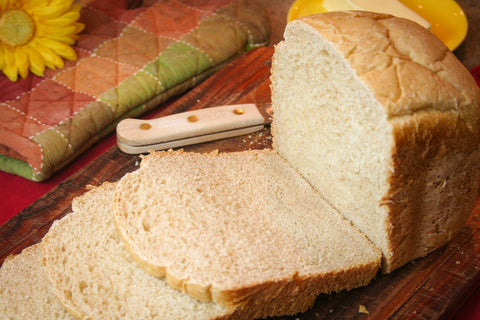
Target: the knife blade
pixel 177 130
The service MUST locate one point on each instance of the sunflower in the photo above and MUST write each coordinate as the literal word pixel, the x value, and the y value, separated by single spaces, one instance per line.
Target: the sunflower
pixel 35 34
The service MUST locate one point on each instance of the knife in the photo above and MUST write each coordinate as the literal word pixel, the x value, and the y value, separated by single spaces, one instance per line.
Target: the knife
pixel 140 136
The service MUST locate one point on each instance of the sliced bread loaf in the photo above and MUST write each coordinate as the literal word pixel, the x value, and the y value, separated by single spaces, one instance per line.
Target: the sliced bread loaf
pixel 383 120
pixel 94 278
pixel 25 291
pixel 239 228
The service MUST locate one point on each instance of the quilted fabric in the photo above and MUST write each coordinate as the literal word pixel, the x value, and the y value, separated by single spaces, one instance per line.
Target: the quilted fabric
pixel 129 61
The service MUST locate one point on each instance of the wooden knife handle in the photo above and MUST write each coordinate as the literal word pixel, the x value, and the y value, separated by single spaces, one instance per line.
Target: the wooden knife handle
pixel 191 124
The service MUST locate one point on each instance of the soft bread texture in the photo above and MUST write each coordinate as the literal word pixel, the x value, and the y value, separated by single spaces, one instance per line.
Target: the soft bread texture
pixel 94 278
pixel 383 120
pixel 25 291
pixel 241 229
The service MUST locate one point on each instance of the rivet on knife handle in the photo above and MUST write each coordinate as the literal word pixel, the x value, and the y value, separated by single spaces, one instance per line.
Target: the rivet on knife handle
pixel 139 136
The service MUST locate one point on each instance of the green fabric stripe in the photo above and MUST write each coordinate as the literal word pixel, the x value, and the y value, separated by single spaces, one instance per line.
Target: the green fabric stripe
pixel 177 64
pixel 134 91
pixel 219 37
pixel 18 167
pixel 55 147
pixel 87 123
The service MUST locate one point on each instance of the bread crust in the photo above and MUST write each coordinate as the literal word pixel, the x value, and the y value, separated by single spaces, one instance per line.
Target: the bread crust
pixel 432 104
pixel 404 65
pixel 433 190
pixel 270 298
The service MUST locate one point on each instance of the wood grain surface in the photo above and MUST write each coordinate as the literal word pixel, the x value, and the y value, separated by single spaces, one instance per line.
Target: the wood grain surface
pixel 433 287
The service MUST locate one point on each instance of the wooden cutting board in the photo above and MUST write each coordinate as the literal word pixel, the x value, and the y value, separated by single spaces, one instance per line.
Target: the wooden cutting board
pixel 428 288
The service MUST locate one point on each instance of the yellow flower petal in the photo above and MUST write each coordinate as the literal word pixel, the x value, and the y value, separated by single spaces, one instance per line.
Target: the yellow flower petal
pixel 47 12
pixel 52 60
pixel 61 3
pixel 64 30
pixel 37 64
pixel 24 68
pixel 10 69
pixel 68 40
pixel 64 20
pixel 9 57
pixel 21 61
pixel 2 56
pixel 30 5
pixel 55 8
pixel 9 4
pixel 79 27
pixel 34 3
pixel 59 48
pixel 11 73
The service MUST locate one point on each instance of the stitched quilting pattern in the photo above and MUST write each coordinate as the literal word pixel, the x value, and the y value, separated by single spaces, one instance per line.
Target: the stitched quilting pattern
pixel 129 61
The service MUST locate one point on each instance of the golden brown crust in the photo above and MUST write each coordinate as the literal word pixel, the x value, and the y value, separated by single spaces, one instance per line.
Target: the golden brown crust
pixel 432 103
pixel 404 65
pixel 298 294
pixel 436 164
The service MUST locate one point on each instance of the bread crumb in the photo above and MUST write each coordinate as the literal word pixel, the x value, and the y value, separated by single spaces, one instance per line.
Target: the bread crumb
pixel 362 309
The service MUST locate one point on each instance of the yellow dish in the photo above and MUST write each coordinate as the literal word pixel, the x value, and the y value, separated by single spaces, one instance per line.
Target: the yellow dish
pixel 446 17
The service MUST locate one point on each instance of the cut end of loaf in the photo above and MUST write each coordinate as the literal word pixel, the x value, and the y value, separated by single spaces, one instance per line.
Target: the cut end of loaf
pixel 383 121
pixel 331 128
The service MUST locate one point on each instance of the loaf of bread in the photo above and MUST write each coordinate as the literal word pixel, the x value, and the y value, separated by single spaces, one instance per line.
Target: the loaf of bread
pixel 241 229
pixel 94 278
pixel 25 291
pixel 383 120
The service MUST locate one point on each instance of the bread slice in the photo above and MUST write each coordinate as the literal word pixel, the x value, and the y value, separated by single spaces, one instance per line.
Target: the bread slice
pixel 241 229
pixel 94 277
pixel 383 120
pixel 25 291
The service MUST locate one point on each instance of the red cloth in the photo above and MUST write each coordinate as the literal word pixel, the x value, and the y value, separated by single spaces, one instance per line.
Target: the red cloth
pixel 17 193
pixel 476 74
